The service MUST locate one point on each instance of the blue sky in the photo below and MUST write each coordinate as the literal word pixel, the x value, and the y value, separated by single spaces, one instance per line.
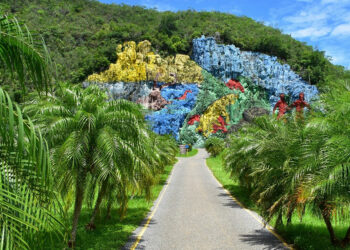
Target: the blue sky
pixel 324 24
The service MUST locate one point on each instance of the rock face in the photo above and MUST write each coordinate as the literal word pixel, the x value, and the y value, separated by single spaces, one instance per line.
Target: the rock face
pixel 133 91
pixel 170 119
pixel 227 61
pixel 137 63
pixel 217 99
pixel 217 110
pixel 248 117
pixel 155 100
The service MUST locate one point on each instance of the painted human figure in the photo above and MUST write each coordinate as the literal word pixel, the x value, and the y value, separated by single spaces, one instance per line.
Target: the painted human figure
pixel 155 81
pixel 299 105
pixel 282 106
pixel 222 125
pixel 234 84
pixel 183 97
pixel 194 118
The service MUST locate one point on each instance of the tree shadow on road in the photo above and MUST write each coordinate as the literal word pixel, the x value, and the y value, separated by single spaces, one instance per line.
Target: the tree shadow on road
pixel 262 237
pixel 240 194
pixel 133 238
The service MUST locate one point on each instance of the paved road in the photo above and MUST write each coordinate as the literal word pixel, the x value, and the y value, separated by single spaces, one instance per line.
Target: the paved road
pixel 195 212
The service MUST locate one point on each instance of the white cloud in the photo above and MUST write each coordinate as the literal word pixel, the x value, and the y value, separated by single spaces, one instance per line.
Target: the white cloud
pixel 305 16
pixel 323 23
pixel 338 54
pixel 335 1
pixel 341 30
pixel 311 32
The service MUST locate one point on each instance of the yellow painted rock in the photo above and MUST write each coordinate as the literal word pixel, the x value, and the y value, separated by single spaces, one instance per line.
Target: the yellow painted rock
pixel 210 116
pixel 138 63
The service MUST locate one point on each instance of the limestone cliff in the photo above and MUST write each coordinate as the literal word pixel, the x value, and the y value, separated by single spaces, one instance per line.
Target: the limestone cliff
pixel 211 115
pixel 137 63
pixel 228 61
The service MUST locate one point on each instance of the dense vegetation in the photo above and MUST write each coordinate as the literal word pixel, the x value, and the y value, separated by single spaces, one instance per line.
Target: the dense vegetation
pixel 299 165
pixel 76 143
pixel 82 35
pixel 214 146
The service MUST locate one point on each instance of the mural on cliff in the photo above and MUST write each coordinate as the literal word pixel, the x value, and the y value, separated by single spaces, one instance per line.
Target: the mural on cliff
pixel 227 61
pixel 194 100
pixel 219 105
pixel 137 63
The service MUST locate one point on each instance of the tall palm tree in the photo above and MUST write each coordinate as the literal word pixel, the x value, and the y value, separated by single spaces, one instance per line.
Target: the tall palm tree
pixel 25 183
pixel 329 183
pixel 106 142
pixel 265 158
pixel 302 163
pixel 128 173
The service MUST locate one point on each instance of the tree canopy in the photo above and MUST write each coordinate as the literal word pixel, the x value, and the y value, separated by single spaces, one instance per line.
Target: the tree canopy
pixel 82 34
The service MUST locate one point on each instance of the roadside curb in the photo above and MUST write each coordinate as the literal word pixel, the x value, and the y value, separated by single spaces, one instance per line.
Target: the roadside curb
pixel 271 229
pixel 134 241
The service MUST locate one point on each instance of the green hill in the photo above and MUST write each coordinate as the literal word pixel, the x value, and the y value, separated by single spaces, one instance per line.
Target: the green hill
pixel 82 35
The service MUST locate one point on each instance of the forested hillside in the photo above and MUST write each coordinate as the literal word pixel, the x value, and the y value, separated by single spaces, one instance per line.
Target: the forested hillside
pixel 82 35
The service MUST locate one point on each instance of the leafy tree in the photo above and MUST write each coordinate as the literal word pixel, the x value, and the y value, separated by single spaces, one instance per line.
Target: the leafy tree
pixel 167 24
pixel 78 30
pixel 214 145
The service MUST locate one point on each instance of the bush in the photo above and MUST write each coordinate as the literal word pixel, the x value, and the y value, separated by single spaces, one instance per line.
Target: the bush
pixel 214 146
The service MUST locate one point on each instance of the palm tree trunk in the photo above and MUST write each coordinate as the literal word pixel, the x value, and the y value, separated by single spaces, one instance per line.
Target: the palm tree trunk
pixel 100 196
pixel 326 217
pixel 279 221
pixel 290 214
pixel 303 213
pixel 109 205
pixel 79 197
pixel 346 240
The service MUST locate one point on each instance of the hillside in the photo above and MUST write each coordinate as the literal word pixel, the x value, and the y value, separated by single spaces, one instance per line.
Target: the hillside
pixel 82 35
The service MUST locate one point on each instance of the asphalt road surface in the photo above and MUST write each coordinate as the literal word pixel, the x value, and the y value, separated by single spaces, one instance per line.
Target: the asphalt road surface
pixel 194 212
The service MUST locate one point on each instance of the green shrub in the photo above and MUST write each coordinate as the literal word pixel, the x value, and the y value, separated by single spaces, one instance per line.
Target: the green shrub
pixel 214 146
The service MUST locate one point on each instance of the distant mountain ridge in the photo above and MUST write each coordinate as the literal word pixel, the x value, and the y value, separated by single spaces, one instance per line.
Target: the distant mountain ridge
pixel 82 35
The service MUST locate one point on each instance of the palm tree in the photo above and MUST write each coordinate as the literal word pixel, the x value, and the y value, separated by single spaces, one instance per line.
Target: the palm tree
pixel 265 157
pixel 21 55
pixel 108 143
pixel 123 174
pixel 328 152
pixel 25 183
pixel 291 166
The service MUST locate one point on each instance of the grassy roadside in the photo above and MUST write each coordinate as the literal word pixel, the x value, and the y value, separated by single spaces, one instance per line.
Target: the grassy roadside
pixel 113 233
pixel 193 152
pixel 311 233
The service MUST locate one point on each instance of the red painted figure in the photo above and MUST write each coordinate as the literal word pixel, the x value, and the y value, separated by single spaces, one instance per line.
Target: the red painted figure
pixel 183 97
pixel 194 118
pixel 299 105
pixel 233 84
pixel 282 106
pixel 221 127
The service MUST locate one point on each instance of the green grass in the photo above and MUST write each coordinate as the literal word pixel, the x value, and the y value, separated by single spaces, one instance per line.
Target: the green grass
pixel 113 233
pixel 193 152
pixel 309 234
